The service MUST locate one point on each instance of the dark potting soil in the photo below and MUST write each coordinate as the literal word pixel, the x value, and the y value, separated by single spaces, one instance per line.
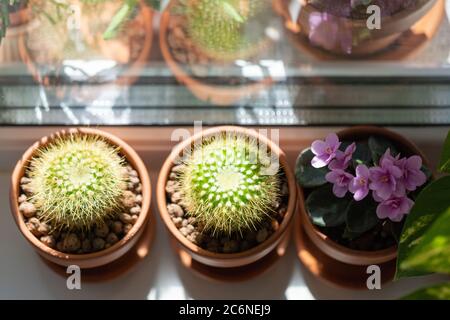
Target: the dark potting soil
pixel 384 235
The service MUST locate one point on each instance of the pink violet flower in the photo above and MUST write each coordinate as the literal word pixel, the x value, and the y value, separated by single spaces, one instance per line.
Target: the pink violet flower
pixel 394 208
pixel 413 176
pixel 325 151
pixel 384 179
pixel 360 184
pixel 340 180
pixel 343 158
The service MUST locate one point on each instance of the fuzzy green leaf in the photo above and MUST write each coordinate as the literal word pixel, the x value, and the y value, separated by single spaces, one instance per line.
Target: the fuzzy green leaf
pixel 427 228
pixel 308 176
pixel 444 166
pixel 325 209
pixel 378 146
pixel 361 215
pixel 437 292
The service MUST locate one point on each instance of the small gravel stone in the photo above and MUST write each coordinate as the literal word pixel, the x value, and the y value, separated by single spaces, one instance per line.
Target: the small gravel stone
pixel 22 198
pixel 71 243
pixel 86 245
pixel 102 230
pixel 107 245
pixel 176 197
pixel 282 211
pixel 195 237
pixel 190 227
pixel 275 225
pixel 138 199
pixel 44 228
pixel 49 241
pixel 134 180
pixel 178 169
pixel 285 189
pixel 98 244
pixel 127 227
pixel 250 236
pixel 173 176
pixel 60 246
pixel 139 188
pixel 33 225
pixel 171 187
pixel 25 180
pixel 133 173
pixel 178 222
pixel 112 238
pixel 27 188
pixel 230 246
pixel 134 219
pixel 117 227
pixel 245 245
pixel 128 199
pixel 28 209
pixel 125 218
pixel 135 210
pixel 185 231
pixel 213 245
pixel 184 223
pixel 262 235
pixel 175 210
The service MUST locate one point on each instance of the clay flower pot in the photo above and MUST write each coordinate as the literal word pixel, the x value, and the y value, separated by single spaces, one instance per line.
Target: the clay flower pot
pixel 45 56
pixel 324 243
pixel 222 95
pixel 226 260
pixel 341 35
pixel 99 258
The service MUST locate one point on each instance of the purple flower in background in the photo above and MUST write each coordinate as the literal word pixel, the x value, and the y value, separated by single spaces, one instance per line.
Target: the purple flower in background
pixel 384 179
pixel 340 180
pixel 360 184
pixel 394 208
pixel 325 151
pixel 413 176
pixel 343 159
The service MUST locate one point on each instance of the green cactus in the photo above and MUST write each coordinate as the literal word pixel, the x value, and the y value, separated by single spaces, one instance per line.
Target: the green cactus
pixel 224 186
pixel 218 26
pixel 77 181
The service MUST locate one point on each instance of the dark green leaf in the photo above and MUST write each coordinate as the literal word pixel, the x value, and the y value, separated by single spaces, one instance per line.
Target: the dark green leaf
pixel 362 155
pixel 437 292
pixel 361 215
pixel 155 4
pixel 325 209
pixel 308 176
pixel 349 235
pixel 444 166
pixel 378 146
pixel 420 230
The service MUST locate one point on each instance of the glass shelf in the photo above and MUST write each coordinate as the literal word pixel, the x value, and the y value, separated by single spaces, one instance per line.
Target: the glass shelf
pixel 66 73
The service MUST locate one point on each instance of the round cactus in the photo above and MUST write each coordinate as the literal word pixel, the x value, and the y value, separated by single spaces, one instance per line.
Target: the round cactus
pixel 218 26
pixel 224 185
pixel 77 181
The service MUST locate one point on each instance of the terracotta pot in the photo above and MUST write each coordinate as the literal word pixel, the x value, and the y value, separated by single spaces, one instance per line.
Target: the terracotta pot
pixel 221 95
pixel 107 50
pixel 96 259
pixel 222 260
pixel 327 245
pixel 353 37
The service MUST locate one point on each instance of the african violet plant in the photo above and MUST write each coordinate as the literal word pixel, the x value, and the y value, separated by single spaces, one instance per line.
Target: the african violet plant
pixel 224 189
pixel 76 182
pixel 355 186
pixel 425 241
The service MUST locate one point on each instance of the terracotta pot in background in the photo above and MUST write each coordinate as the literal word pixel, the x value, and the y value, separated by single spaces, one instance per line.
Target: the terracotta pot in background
pixel 327 245
pixel 96 259
pixel 223 260
pixel 352 38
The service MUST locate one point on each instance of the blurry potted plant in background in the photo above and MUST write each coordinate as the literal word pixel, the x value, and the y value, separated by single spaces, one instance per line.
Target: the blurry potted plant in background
pixel 198 36
pixel 425 241
pixel 356 188
pixel 341 26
